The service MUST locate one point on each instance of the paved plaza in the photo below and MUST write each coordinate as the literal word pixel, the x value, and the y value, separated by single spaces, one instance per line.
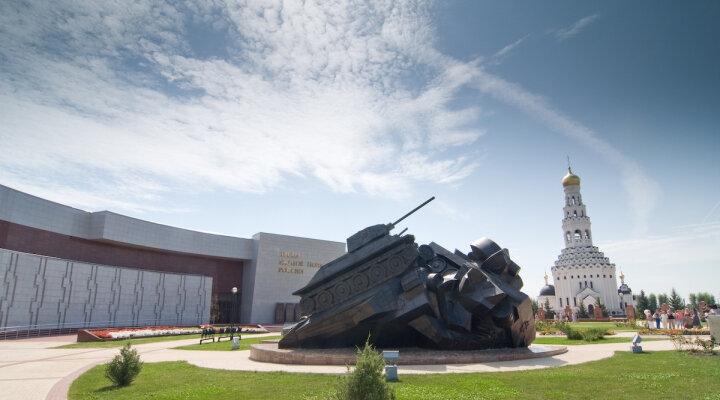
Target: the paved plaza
pixel 32 369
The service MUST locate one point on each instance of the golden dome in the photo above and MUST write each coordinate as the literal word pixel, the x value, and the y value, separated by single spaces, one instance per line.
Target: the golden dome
pixel 570 178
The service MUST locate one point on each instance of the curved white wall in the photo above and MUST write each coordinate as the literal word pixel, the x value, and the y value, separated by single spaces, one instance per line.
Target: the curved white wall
pixel 45 292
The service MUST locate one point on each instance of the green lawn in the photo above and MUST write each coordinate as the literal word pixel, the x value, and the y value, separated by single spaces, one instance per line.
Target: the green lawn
pixel 565 341
pixel 226 345
pixel 604 325
pixel 121 343
pixel 624 376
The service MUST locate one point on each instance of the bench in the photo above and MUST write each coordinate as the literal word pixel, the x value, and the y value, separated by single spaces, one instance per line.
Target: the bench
pixel 224 332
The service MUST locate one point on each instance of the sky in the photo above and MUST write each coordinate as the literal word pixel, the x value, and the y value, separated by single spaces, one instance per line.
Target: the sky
pixel 318 118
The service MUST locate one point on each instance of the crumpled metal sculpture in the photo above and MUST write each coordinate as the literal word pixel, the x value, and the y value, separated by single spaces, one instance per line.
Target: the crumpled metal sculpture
pixel 400 294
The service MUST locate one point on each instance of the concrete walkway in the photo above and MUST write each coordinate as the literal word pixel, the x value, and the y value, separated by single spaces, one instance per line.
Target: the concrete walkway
pixel 32 369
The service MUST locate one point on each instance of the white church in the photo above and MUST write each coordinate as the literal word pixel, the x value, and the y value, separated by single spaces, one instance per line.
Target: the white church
pixel 582 274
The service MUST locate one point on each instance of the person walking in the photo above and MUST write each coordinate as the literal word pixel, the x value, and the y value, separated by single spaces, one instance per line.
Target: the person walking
pixel 696 319
pixel 688 319
pixel 679 318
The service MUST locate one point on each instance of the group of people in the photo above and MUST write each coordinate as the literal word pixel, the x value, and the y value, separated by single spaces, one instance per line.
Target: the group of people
pixel 667 318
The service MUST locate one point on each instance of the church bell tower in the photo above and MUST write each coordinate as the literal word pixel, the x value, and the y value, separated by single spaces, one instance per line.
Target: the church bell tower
pixel 576 223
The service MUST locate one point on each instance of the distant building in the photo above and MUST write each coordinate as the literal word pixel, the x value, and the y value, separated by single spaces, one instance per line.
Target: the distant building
pixel 61 267
pixel 582 274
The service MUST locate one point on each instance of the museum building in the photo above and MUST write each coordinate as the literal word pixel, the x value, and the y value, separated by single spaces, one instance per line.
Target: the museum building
pixel 582 275
pixel 61 267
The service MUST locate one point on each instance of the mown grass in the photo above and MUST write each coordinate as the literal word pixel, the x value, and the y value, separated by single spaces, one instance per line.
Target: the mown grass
pixel 226 345
pixel 604 325
pixel 565 341
pixel 133 342
pixel 624 376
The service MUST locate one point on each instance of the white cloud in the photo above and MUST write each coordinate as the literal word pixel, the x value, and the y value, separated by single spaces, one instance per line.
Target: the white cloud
pixel 572 30
pixel 642 190
pixel 107 101
pixel 683 247
pixel 502 53
pixel 685 255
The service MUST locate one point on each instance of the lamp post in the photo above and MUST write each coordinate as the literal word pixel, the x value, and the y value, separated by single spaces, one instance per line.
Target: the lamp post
pixel 235 339
pixel 234 301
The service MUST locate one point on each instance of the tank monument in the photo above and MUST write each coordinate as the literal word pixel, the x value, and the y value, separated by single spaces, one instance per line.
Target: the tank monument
pixel 400 295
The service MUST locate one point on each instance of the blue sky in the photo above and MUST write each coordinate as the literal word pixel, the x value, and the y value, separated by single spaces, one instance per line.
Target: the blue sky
pixel 319 118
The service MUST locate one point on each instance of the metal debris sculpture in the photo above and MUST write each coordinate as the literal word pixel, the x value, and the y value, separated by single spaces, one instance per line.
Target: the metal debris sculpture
pixel 405 295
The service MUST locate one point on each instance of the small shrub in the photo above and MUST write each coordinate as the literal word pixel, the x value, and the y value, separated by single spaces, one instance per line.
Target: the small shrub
pixel 630 323
pixel 366 381
pixel 707 345
pixel 589 334
pixel 678 341
pixel 592 334
pixel 124 367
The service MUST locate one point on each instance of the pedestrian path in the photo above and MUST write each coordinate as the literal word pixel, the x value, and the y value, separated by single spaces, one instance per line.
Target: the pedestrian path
pixel 32 369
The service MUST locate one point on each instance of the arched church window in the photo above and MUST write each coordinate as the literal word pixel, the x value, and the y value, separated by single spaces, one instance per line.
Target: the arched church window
pixel 585 283
pixel 575 213
pixel 573 200
pixel 587 234
pixel 580 285
pixel 591 286
pixel 561 302
pixel 578 235
pixel 567 236
pixel 575 301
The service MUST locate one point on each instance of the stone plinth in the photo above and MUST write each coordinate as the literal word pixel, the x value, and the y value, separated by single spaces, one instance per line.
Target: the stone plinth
pixel 269 352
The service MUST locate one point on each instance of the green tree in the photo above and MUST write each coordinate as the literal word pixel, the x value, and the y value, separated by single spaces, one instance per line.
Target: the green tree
pixel 124 367
pixel 675 301
pixel 642 304
pixel 549 313
pixel 366 380
pixel 652 302
pixel 582 313
pixel 604 310
pixel 662 298
pixel 696 298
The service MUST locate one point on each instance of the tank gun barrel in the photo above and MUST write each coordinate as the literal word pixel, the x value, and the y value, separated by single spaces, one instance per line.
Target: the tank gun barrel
pixel 392 225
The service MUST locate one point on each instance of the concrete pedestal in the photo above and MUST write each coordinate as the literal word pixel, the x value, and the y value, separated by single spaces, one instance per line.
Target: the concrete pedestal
pixel 714 325
pixel 391 373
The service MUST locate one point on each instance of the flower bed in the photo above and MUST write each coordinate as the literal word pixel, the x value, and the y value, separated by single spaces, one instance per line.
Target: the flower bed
pixel 670 332
pixel 131 333
pixel 126 333
pixel 556 332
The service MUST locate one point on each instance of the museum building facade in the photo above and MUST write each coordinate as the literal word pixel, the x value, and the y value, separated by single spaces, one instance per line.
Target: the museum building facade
pixel 68 268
